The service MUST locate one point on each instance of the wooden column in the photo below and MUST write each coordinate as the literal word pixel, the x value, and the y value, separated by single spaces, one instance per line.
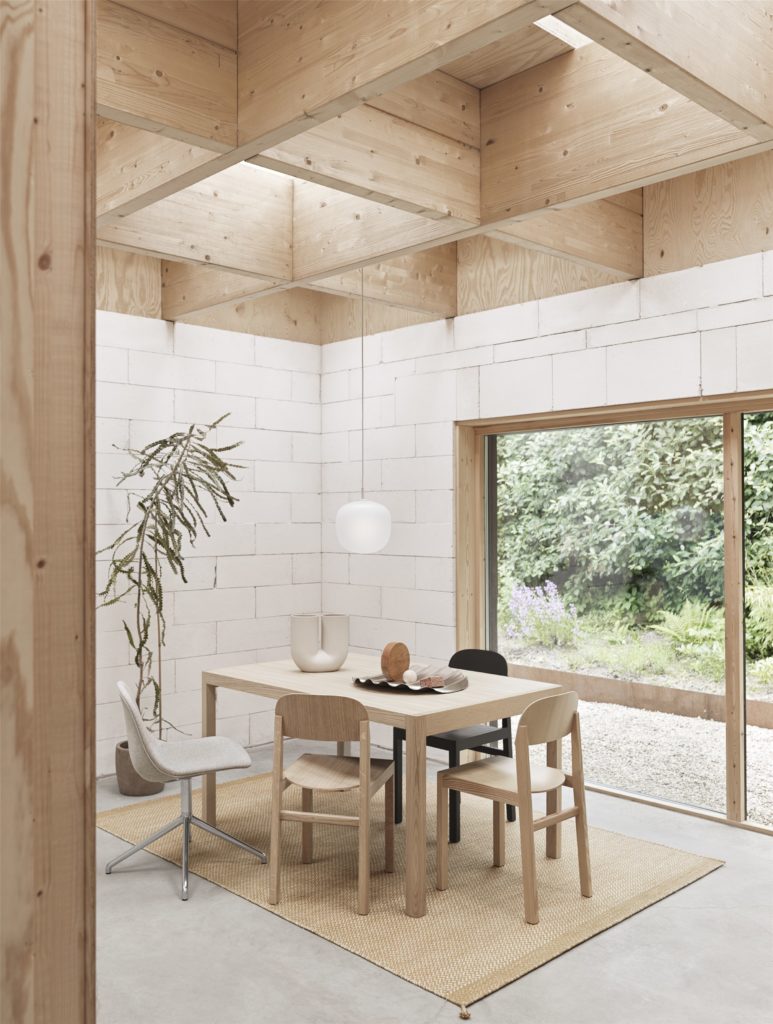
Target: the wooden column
pixel 46 522
pixel 735 647
pixel 470 538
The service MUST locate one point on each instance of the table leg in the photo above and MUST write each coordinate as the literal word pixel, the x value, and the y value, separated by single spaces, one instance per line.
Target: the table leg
pixel 209 728
pixel 553 803
pixel 415 819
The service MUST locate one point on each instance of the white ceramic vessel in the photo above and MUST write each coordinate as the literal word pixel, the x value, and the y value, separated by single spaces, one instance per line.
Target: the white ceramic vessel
pixel 319 643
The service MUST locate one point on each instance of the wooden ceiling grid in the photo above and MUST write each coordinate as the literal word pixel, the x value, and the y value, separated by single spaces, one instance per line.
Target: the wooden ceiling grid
pixel 263 148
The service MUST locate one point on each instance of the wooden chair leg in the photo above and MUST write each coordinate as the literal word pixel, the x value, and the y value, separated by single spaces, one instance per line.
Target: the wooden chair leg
pixel 389 825
pixel 529 864
pixel 363 860
pixel 275 855
pixel 499 834
pixel 583 849
pixel 553 804
pixel 307 833
pixel 441 881
pixel 397 757
pixel 507 747
pixel 455 801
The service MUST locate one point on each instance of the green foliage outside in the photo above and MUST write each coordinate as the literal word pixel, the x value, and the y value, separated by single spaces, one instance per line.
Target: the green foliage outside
pixel 610 550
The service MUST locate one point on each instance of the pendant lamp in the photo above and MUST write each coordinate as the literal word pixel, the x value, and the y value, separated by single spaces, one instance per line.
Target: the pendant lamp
pixel 363 527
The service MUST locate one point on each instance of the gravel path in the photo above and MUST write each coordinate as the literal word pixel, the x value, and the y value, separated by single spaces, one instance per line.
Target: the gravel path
pixel 672 757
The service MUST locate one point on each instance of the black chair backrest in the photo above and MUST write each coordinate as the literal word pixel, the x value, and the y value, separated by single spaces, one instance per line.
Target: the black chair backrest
pixel 479 661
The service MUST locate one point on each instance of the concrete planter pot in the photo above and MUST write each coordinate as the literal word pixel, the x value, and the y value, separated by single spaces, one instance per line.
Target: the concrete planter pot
pixel 129 782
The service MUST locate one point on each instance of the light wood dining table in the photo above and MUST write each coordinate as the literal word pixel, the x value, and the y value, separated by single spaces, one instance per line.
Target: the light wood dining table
pixel 421 714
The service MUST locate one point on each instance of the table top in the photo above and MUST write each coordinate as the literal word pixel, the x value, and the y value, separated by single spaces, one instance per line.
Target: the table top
pixel 486 698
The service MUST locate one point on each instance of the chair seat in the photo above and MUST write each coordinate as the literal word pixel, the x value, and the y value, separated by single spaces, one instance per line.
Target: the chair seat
pixel 326 771
pixel 498 775
pixel 181 759
pixel 470 735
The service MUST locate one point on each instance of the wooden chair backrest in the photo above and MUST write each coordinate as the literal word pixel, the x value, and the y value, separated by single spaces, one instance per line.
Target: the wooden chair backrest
pixel 548 719
pixel 311 717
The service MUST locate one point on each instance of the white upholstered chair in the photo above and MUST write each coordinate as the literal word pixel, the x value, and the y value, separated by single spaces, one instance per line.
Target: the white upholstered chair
pixel 166 761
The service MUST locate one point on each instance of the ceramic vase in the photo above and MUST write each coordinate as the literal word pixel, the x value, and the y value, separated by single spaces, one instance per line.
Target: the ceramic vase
pixel 319 643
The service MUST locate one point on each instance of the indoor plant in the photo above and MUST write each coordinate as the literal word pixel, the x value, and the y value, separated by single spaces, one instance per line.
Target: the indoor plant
pixel 187 478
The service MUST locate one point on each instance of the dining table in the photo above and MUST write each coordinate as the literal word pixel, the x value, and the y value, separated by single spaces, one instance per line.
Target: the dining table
pixel 420 714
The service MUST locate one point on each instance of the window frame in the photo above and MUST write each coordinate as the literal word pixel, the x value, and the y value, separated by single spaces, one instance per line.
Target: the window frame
pixel 472 548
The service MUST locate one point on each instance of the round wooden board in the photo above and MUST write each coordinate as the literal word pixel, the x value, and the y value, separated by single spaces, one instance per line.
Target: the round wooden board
pixel 395 659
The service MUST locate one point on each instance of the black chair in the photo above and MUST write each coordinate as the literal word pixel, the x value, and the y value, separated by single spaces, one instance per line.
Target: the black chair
pixel 470 737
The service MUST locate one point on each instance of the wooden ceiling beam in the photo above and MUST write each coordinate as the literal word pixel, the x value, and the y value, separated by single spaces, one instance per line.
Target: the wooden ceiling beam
pixel 601 235
pixel 717 54
pixel 157 76
pixel 586 125
pixel 368 153
pixel 238 220
pixel 317 61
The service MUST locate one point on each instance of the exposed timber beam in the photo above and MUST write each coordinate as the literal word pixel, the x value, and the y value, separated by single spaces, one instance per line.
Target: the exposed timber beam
pixel 238 220
pixel 718 54
pixel 507 57
pixel 137 167
pixel 153 75
pixel 376 156
pixel 215 20
pixel 586 125
pixel 602 235
pixel 416 149
pixel 423 281
pixel 318 61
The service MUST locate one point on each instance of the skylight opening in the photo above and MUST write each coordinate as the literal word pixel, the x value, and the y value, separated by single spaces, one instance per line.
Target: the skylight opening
pixel 565 33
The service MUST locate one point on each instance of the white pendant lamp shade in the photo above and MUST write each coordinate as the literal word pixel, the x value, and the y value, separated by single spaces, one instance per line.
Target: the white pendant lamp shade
pixel 363 526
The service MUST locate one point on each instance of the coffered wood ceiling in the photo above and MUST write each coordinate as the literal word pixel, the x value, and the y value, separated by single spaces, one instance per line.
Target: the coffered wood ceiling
pixel 258 148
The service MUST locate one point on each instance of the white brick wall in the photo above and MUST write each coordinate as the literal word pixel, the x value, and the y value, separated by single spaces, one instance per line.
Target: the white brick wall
pixel 248 577
pixel 702 331
pixel 297 409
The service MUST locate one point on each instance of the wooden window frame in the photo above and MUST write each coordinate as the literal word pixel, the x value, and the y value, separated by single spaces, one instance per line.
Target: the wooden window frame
pixel 470 540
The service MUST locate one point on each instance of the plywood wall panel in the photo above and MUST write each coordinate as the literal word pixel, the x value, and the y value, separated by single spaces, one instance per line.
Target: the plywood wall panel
pixel 493 273
pixel 711 215
pixel 128 283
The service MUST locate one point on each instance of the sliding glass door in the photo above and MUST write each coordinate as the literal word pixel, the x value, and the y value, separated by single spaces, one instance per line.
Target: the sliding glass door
pixel 606 562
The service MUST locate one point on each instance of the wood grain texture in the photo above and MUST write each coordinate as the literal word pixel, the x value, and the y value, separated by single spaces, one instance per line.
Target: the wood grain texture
pixel 239 219
pixel 601 235
pixel 334 232
pixel 214 20
pixel 189 288
pixel 438 103
pixel 711 215
pixel 47 546
pixel 136 168
pixel 470 538
pixel 494 273
pixel 128 283
pixel 294 315
pixel 507 57
pixel 386 159
pixel 153 75
pixel 339 317
pixel 319 60
pixel 587 125
pixel 423 281
pixel 715 53
pixel 735 649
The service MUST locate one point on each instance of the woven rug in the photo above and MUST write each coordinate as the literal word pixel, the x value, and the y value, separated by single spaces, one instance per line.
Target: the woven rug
pixel 473 939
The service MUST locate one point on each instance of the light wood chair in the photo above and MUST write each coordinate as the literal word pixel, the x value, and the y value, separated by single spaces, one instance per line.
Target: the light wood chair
pixel 309 717
pixel 545 721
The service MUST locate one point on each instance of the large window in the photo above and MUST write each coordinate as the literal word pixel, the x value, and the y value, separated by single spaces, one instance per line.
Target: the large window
pixel 607 570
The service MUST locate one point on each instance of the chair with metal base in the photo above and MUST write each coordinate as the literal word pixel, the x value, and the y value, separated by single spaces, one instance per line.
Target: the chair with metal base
pixel 159 761
pixel 481 738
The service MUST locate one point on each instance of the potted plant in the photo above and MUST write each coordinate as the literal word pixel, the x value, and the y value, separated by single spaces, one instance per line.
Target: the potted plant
pixel 188 478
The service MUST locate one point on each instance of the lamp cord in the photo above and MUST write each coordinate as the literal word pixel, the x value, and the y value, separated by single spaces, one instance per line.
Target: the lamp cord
pixel 362 383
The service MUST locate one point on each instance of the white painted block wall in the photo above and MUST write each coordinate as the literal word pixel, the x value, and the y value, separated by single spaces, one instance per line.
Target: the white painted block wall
pixel 262 565
pixel 708 330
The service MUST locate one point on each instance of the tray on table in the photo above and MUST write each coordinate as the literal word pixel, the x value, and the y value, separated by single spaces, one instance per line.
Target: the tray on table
pixel 452 680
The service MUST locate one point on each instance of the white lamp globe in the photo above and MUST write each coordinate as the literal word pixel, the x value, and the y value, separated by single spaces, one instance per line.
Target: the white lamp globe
pixel 363 526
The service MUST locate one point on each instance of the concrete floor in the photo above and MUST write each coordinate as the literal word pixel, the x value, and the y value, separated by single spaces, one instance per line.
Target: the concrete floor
pixel 702 956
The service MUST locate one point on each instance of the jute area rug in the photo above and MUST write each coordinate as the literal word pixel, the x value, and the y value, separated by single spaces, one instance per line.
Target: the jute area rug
pixel 473 939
